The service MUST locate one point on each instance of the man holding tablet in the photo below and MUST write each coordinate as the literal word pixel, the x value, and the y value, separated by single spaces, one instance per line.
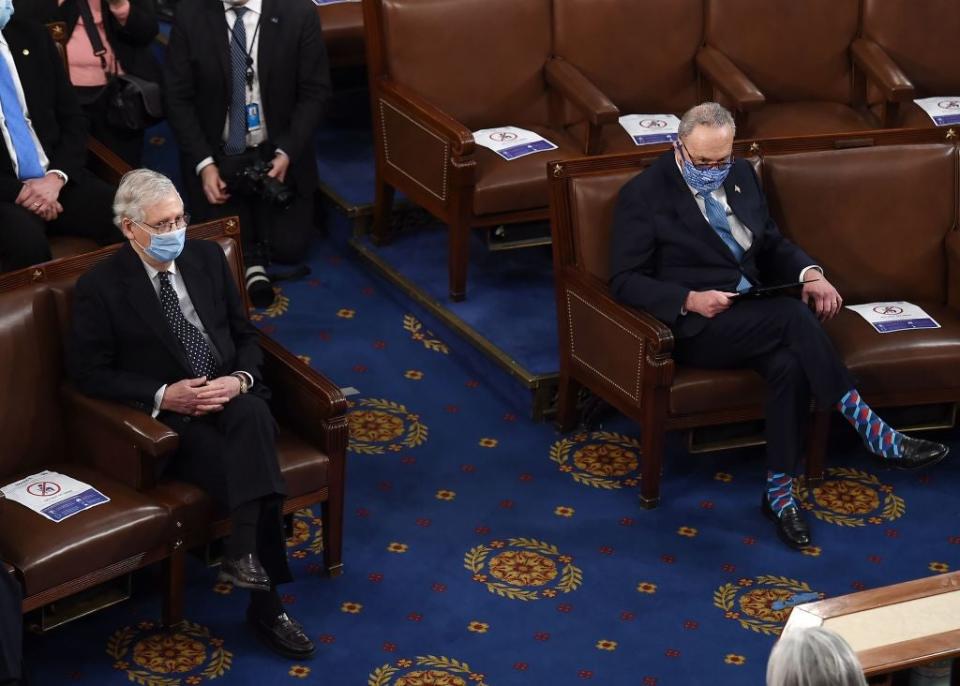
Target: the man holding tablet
pixel 692 241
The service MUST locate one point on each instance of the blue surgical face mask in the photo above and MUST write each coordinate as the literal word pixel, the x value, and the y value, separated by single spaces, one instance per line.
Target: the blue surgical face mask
pixel 165 247
pixel 702 180
pixel 6 11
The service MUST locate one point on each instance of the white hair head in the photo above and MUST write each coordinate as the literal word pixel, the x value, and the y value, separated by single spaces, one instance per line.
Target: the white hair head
pixel 706 114
pixel 138 190
pixel 815 656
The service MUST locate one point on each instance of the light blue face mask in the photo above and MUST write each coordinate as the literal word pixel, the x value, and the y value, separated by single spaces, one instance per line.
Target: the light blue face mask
pixel 165 247
pixel 702 180
pixel 6 11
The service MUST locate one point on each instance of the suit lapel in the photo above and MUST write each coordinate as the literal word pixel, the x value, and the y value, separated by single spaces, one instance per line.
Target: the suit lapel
pixel 219 33
pixel 738 204
pixel 200 289
pixel 270 22
pixel 690 213
pixel 145 302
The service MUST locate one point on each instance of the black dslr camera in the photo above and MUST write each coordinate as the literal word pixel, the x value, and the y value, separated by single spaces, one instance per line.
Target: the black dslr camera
pixel 246 174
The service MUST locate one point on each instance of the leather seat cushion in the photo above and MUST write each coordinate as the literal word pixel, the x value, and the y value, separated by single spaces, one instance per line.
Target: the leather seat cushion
pixel 48 554
pixel 902 361
pixel 68 246
pixel 342 24
pixel 520 184
pixel 803 118
pixel 696 391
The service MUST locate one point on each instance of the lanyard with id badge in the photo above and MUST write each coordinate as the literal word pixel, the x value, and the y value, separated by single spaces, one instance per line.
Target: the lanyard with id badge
pixel 254 121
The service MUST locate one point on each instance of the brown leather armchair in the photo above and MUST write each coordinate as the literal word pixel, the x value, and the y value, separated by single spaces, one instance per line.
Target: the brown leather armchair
pixel 439 70
pixel 641 54
pixel 784 67
pixel 121 448
pixel 903 52
pixel 342 24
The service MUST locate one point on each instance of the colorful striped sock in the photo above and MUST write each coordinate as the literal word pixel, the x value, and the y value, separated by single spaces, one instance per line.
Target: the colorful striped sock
pixel 779 491
pixel 879 437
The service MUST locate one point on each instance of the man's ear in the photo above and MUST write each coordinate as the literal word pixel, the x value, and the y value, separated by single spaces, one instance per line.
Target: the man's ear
pixel 126 229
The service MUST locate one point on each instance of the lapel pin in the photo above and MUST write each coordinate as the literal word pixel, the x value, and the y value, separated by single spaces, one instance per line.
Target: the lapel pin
pixel 26 52
pixel 275 20
pixel 736 188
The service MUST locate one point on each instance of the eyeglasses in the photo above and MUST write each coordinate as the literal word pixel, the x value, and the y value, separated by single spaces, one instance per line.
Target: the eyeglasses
pixel 168 226
pixel 706 166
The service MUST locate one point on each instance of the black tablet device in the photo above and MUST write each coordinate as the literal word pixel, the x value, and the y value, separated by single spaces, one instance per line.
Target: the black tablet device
pixel 770 291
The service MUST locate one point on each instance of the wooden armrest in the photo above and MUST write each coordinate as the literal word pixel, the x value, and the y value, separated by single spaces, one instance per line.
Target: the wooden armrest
pixel 119 441
pixel 727 77
pixel 305 399
pixel 579 90
pixel 953 269
pixel 104 163
pixel 425 112
pixel 882 71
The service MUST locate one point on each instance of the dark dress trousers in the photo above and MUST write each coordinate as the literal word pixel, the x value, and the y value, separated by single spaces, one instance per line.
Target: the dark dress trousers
pixel 294 81
pixel 61 128
pixel 123 349
pixel 11 629
pixel 662 247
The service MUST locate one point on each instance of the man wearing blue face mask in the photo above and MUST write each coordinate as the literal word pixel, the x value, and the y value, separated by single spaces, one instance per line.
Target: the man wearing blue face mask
pixel 44 188
pixel 160 326
pixel 691 232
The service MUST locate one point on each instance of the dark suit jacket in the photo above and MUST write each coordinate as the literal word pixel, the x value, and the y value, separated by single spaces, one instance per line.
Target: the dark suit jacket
pixel 662 247
pixel 122 347
pixel 11 629
pixel 293 72
pixel 51 103
pixel 130 42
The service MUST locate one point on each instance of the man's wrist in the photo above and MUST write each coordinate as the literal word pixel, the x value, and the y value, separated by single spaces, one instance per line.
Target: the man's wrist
pixel 204 163
pixel 60 175
pixel 806 270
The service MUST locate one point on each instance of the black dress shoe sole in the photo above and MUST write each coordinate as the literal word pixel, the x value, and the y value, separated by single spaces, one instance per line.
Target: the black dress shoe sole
pixel 268 639
pixel 238 583
pixel 769 513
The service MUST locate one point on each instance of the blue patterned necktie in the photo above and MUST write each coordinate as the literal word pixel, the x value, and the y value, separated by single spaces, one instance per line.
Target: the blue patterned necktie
pixel 237 133
pixel 717 216
pixel 28 158
pixel 199 355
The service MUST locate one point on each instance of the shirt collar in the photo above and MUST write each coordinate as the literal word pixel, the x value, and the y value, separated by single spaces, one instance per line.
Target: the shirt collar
pixel 152 272
pixel 254 6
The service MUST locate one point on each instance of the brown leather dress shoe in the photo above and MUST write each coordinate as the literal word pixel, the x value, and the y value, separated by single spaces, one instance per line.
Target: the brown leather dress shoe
pixel 245 572
pixel 282 634
pixel 791 527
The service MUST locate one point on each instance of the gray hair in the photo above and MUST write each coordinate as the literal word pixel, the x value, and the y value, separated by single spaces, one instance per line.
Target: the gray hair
pixel 139 189
pixel 815 656
pixel 706 114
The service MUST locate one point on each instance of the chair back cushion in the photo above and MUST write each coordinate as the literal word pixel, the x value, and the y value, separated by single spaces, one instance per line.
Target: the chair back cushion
pixel 791 50
pixel 640 53
pixel 875 218
pixel 481 61
pixel 31 370
pixel 917 35
pixel 592 200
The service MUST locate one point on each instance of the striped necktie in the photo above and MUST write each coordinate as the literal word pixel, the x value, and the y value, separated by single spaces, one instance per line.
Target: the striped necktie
pixel 28 157
pixel 237 133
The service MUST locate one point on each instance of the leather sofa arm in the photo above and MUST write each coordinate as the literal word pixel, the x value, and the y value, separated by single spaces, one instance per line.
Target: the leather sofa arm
pixel 104 163
pixel 882 71
pixel 304 399
pixel 579 90
pixel 123 443
pixel 728 78
pixel 953 269
pixel 420 110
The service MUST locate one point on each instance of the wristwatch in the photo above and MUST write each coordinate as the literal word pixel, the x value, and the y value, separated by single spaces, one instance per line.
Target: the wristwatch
pixel 244 386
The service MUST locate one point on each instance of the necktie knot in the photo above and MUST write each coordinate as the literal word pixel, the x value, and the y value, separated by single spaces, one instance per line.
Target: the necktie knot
pixel 240 11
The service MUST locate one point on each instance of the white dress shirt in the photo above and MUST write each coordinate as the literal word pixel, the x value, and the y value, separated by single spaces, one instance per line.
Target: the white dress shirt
pixel 251 18
pixel 44 161
pixel 189 313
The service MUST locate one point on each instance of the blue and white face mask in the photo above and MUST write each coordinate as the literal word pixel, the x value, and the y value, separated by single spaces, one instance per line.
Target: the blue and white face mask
pixel 6 11
pixel 165 247
pixel 704 180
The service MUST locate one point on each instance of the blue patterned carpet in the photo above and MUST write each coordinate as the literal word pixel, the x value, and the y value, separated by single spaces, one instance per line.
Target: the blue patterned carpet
pixel 482 548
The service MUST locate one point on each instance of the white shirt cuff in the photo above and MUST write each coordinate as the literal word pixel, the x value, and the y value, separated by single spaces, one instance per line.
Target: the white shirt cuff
pixel 803 272
pixel 248 376
pixel 62 175
pixel 205 162
pixel 158 400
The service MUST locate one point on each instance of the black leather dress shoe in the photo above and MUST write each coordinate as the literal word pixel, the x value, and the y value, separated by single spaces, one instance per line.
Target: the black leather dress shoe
pixel 245 572
pixel 917 453
pixel 791 527
pixel 283 634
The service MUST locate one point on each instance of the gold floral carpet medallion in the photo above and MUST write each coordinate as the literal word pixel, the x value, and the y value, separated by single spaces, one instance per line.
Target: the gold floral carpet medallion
pixel 763 604
pixel 850 497
pixel 151 656
pixel 523 569
pixel 307 538
pixel 424 336
pixel 601 459
pixel 426 670
pixel 378 425
pixel 278 308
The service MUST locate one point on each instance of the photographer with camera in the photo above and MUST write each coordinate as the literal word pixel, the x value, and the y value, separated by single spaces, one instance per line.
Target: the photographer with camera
pixel 246 85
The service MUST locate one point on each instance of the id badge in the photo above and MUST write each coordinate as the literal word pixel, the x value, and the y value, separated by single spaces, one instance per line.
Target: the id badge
pixel 253 116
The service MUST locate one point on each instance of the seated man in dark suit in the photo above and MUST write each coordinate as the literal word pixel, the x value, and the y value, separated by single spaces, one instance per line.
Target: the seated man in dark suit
pixel 11 630
pixel 692 231
pixel 43 184
pixel 160 326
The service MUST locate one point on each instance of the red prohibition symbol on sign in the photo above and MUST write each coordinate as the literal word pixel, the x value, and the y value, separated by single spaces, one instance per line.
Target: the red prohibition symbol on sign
pixel 43 488
pixel 889 310
pixel 652 123
pixel 501 136
pixel 949 104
